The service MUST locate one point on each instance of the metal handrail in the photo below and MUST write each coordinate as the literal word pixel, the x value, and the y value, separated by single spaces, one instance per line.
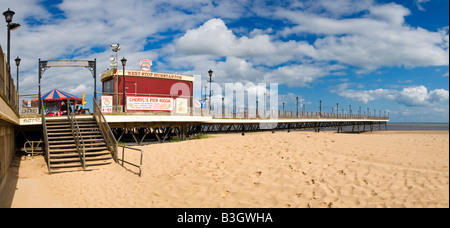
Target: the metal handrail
pixel 221 111
pixel 44 132
pixel 123 158
pixel 31 143
pixel 110 140
pixel 81 148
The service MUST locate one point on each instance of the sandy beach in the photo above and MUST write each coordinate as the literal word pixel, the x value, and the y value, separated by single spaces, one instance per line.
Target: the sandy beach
pixel 287 170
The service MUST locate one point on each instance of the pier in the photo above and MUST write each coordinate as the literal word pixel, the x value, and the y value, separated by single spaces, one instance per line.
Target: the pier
pixel 74 141
pixel 144 127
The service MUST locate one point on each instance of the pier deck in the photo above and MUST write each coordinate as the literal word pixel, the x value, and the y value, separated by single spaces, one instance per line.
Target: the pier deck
pixel 163 128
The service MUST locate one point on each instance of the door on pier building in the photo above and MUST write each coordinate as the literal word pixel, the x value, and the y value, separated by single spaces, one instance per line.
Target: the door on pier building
pixel 131 88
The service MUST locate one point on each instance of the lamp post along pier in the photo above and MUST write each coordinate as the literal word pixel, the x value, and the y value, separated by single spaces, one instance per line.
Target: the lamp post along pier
pixel 10 27
pixel 124 62
pixel 210 73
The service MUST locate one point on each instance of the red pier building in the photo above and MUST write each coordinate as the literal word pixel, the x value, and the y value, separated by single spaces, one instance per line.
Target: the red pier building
pixel 147 91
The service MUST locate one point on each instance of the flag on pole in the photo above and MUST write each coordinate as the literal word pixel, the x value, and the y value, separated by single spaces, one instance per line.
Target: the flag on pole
pixel 83 100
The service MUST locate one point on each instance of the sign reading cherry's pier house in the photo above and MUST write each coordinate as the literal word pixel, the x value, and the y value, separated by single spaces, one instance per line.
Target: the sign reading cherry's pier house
pixel 139 103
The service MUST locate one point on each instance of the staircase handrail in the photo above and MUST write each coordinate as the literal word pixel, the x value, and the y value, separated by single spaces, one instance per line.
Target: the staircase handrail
pixel 44 132
pixel 110 140
pixel 79 142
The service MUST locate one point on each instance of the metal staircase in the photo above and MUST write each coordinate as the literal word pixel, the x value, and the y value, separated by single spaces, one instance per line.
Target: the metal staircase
pixel 63 152
pixel 74 143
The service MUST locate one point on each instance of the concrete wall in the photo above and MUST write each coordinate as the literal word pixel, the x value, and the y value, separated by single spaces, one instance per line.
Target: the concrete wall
pixel 7 147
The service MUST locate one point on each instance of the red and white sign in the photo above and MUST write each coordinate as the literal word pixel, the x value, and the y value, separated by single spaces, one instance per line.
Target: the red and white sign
pixel 149 103
pixel 146 65
pixel 107 103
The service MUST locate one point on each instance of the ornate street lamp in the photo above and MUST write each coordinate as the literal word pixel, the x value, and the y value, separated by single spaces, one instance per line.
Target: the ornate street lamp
pixel 11 26
pixel 124 62
pixel 17 64
pixel 210 72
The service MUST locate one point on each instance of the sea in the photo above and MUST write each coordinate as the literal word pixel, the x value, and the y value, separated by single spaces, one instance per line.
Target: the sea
pixel 417 126
pixel 398 127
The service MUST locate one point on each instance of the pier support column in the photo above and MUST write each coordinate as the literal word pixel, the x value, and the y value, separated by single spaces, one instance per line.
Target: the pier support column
pixel 183 132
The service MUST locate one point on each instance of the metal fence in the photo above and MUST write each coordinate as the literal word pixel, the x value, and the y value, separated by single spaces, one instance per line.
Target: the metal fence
pixel 194 106
pixel 7 88
pixel 179 105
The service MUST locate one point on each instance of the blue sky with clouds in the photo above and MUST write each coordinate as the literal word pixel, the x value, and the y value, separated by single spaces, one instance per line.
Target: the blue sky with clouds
pixel 385 55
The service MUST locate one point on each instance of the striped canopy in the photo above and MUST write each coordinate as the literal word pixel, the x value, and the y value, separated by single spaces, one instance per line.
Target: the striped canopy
pixel 58 95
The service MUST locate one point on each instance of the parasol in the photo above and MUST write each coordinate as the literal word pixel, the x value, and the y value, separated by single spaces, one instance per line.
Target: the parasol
pixel 58 95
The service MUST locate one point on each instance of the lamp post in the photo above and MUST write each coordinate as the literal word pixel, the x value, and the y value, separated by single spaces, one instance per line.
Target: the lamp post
pixel 115 63
pixel 210 72
pixel 350 110
pixel 201 110
pixel 11 27
pixel 257 114
pixel 337 110
pixel 223 107
pixel 124 62
pixel 297 107
pixel 264 104
pixel 320 109
pixel 17 64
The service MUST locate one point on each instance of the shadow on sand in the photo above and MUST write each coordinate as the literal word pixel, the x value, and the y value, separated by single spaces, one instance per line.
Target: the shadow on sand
pixel 9 183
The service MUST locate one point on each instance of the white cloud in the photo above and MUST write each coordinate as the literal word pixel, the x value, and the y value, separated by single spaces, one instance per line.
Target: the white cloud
pixel 419 4
pixel 253 58
pixel 83 29
pixel 215 38
pixel 296 75
pixel 417 96
pixel 378 38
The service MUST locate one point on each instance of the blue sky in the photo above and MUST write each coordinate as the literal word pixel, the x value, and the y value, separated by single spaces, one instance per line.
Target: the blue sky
pixel 385 55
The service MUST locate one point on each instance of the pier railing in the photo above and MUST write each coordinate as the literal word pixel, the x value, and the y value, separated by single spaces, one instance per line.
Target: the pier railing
pixel 7 88
pixel 45 133
pixel 200 107
pixel 79 142
pixel 193 106
pixel 110 140
pixel 129 163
